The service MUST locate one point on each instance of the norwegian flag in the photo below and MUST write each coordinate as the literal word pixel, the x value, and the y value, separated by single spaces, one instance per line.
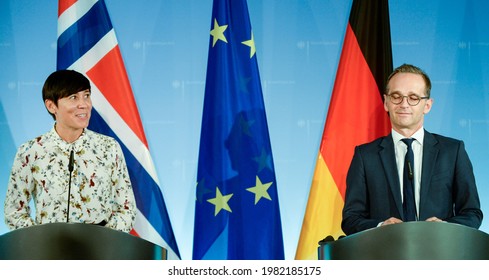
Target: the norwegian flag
pixel 87 43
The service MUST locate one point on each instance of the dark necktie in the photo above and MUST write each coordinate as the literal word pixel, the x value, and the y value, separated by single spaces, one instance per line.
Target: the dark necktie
pixel 409 204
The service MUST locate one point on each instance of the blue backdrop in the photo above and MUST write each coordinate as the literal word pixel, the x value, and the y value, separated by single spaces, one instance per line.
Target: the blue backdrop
pixel 165 45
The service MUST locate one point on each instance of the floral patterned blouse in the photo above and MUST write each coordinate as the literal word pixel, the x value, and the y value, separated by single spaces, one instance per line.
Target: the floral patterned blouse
pixel 100 186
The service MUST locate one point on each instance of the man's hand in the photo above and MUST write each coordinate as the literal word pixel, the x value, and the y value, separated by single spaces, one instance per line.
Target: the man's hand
pixel 434 219
pixel 391 221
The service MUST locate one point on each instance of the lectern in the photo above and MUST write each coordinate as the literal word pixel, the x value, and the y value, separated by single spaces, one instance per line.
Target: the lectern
pixel 73 241
pixel 410 241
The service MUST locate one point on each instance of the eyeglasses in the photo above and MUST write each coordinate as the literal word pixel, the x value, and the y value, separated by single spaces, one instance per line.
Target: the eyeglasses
pixel 412 99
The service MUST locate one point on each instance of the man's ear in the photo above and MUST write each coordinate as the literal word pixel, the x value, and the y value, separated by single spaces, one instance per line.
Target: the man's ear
pixel 50 106
pixel 427 106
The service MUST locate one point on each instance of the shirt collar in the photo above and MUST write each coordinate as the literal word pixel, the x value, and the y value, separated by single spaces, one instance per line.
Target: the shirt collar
pixel 418 135
pixel 53 134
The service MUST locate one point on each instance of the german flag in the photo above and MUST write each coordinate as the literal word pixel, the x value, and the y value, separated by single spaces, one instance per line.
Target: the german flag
pixel 356 115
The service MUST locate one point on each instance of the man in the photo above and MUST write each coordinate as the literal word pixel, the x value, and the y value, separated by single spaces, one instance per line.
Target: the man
pixel 72 174
pixel 437 184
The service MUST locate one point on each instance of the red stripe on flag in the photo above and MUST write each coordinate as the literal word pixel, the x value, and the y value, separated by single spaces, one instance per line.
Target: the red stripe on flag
pixel 110 76
pixel 134 232
pixel 356 113
pixel 64 5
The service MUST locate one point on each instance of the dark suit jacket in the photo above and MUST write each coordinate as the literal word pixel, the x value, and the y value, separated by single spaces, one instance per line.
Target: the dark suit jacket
pixel 448 190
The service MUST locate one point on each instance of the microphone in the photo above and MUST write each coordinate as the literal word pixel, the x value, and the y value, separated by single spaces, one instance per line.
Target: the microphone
pixel 410 170
pixel 70 169
pixel 71 163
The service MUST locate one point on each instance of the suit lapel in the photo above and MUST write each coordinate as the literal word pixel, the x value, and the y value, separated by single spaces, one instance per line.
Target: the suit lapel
pixel 430 154
pixel 388 158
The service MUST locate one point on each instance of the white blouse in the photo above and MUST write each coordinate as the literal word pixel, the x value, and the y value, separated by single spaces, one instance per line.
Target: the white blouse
pixel 100 186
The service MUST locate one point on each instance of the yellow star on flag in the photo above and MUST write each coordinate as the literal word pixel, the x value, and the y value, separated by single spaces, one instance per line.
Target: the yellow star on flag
pixel 251 43
pixel 260 190
pixel 218 33
pixel 220 201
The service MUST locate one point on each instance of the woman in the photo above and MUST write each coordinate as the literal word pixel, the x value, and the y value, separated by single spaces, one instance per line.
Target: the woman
pixel 98 186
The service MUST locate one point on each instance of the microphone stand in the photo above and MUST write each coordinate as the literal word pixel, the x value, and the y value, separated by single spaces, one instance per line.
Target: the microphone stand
pixel 70 168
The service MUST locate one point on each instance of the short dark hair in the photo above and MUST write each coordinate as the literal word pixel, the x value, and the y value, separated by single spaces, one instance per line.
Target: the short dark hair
pixel 63 83
pixel 408 68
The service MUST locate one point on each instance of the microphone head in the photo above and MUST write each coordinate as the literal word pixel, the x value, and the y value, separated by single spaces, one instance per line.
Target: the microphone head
pixel 410 170
pixel 72 161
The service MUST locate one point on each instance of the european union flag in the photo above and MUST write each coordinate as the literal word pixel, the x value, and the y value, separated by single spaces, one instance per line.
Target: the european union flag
pixel 237 212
